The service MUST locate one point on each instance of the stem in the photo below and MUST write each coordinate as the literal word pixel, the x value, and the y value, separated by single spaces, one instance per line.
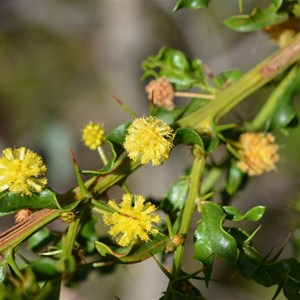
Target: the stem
pixel 246 85
pixel 102 155
pixel 190 205
pixel 194 95
pixel 270 106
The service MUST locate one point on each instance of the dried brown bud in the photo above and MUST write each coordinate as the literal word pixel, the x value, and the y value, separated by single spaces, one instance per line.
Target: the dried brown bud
pixel 161 92
pixel 22 214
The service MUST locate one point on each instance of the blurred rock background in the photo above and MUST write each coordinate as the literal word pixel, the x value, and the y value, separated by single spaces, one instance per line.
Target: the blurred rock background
pixel 59 61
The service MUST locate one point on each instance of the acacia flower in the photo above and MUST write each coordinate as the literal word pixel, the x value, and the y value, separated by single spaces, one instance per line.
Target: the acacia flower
pixel 149 139
pixel 161 92
pixel 131 220
pixel 21 171
pixel 258 153
pixel 93 135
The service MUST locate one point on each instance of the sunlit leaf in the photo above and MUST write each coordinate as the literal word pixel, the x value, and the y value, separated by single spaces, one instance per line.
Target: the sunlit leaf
pixel 254 214
pixel 191 4
pixel 11 201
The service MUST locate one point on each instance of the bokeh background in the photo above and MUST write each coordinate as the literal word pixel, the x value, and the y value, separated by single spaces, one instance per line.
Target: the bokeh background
pixel 61 59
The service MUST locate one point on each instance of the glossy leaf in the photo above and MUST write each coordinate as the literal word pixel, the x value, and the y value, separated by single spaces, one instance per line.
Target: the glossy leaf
pixel 258 19
pixel 235 179
pixel 221 242
pixel 174 65
pixel 40 239
pixel 188 136
pixel 174 201
pixel 226 78
pixel 203 250
pixel 135 254
pixel 191 4
pixel 45 268
pixel 169 117
pixel 10 202
pixel 254 214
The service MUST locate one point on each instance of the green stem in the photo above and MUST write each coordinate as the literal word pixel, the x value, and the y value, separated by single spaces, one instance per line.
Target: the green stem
pixel 70 239
pixel 270 106
pixel 257 77
pixel 190 205
pixel 102 155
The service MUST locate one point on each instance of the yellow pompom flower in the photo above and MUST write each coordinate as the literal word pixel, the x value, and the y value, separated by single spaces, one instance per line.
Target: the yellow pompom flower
pixel 132 220
pixel 93 135
pixel 21 171
pixel 150 140
pixel 258 153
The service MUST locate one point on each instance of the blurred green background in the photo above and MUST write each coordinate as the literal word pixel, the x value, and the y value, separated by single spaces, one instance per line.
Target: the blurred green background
pixel 59 62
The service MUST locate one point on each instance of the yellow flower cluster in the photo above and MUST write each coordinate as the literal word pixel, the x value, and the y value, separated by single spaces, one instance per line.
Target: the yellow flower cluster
pixel 258 153
pixel 93 135
pixel 21 171
pixel 132 220
pixel 150 140
pixel 161 92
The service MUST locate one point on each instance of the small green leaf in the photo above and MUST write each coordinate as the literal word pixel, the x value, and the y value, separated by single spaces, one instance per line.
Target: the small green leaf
pixel 45 268
pixel 117 136
pixel 169 117
pixel 254 214
pixel 10 202
pixel 134 254
pixel 40 239
pixel 203 251
pixel 235 179
pixel 174 200
pixel 191 4
pixel 257 20
pixel 229 76
pixel 188 136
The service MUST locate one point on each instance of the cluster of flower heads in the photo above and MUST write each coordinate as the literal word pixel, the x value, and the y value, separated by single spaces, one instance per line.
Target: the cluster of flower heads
pixel 93 135
pixel 150 140
pixel 22 171
pixel 161 92
pixel 258 153
pixel 132 220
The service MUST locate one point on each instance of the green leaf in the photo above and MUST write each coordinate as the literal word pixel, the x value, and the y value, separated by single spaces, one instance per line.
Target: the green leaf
pixel 257 20
pixel 191 4
pixel 174 201
pixel 235 179
pixel 254 214
pixel 10 202
pixel 117 136
pixel 40 239
pixel 50 291
pixel 169 117
pixel 134 254
pixel 188 136
pixel 203 251
pixel 88 235
pixel 221 242
pixel 45 268
pixel 229 76
pixel 174 65
pixel 284 113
